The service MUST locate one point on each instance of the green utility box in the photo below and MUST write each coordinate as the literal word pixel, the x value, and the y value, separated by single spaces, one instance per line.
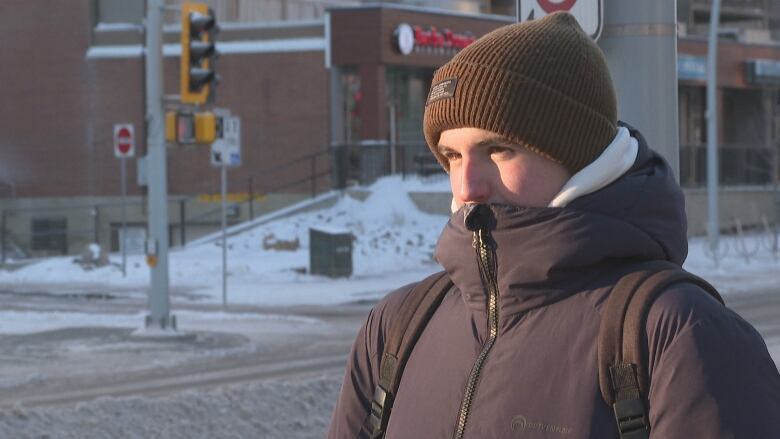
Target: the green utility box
pixel 330 252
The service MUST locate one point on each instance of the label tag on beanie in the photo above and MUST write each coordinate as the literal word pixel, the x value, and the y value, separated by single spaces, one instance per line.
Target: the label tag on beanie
pixel 442 90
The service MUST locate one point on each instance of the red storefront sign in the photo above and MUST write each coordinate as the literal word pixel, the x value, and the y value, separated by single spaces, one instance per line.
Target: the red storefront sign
pixel 445 38
pixel 415 38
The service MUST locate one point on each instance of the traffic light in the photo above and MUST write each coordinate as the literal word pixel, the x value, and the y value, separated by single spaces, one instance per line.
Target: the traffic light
pixel 198 53
pixel 205 127
pixel 187 128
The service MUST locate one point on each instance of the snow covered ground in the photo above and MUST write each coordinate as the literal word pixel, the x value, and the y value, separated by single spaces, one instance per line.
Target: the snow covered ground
pixel 394 243
pixel 268 267
pixel 267 410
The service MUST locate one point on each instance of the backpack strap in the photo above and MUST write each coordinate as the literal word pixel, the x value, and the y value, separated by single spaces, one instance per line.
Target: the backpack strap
pixel 415 312
pixel 622 362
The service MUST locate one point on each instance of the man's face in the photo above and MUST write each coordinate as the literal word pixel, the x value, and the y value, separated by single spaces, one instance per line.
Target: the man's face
pixel 486 168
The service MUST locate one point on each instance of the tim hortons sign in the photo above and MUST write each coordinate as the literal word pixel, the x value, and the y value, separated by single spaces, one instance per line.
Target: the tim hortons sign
pixel 415 39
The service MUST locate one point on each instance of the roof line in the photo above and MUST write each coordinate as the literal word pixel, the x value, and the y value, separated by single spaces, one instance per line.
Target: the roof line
pixel 223 48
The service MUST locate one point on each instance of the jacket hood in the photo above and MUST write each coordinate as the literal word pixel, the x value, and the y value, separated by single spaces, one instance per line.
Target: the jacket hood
pixel 545 254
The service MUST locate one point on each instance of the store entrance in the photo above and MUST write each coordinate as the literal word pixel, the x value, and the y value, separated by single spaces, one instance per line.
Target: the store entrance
pixel 406 92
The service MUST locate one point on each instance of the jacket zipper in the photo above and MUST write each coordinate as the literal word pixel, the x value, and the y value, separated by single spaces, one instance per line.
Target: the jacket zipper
pixel 487 270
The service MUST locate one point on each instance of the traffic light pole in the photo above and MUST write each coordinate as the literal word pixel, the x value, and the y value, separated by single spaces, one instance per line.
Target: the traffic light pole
pixel 157 244
pixel 639 39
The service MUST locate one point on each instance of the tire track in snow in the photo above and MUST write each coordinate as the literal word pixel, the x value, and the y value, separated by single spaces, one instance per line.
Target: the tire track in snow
pixel 184 381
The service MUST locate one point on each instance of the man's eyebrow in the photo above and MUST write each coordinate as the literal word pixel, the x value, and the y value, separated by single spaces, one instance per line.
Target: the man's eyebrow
pixel 496 140
pixel 489 141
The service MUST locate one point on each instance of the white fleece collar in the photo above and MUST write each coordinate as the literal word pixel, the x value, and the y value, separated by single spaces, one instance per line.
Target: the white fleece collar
pixel 618 158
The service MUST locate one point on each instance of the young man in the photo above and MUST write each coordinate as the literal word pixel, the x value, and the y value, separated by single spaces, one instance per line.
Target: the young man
pixel 554 202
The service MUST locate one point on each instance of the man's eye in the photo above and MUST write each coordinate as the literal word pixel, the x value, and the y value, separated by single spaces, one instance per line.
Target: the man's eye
pixel 450 155
pixel 502 150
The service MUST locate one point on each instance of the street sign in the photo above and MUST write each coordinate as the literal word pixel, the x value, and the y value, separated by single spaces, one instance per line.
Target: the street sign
pixel 589 13
pixel 124 147
pixel 226 150
pixel 141 171
pixel 124 140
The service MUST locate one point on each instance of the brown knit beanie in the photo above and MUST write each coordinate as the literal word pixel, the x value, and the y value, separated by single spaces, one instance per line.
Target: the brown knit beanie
pixel 542 83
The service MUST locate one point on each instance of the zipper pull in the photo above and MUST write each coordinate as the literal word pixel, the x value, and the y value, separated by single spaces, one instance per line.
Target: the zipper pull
pixel 479 216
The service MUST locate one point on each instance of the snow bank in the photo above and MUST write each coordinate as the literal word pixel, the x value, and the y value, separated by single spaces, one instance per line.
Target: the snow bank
pixel 734 271
pixel 268 265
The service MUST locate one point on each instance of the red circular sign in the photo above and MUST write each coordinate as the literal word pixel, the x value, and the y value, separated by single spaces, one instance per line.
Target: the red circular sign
pixel 551 6
pixel 124 140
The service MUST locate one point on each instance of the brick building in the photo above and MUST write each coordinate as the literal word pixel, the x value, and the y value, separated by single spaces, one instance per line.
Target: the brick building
pixel 326 96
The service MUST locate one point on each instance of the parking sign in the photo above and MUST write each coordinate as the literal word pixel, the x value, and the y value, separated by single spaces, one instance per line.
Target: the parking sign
pixel 226 150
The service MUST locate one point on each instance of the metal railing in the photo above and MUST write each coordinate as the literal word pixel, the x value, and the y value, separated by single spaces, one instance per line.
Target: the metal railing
pixel 308 176
pixel 363 163
pixel 302 178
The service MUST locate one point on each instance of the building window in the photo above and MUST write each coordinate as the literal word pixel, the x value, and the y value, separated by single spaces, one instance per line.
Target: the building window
pixel 247 11
pixel 120 11
pixel 352 97
pixel 745 153
pixel 407 90
pixel 693 135
pixel 50 235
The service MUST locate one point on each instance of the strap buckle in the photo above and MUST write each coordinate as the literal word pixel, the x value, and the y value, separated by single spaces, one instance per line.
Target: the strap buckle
pixel 631 419
pixel 379 416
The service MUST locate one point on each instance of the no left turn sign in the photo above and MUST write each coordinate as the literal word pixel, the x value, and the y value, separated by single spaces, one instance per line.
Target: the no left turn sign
pixel 589 13
pixel 124 140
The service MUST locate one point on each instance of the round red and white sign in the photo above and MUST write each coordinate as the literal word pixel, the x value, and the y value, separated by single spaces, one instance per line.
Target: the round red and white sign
pixel 551 6
pixel 124 140
pixel 589 13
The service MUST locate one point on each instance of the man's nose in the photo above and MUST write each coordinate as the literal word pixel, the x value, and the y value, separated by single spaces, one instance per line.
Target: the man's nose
pixel 474 185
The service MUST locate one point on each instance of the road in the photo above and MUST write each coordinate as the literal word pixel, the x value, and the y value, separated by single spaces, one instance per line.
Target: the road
pixel 65 366
pixel 182 379
pixel 116 364
pixel 762 310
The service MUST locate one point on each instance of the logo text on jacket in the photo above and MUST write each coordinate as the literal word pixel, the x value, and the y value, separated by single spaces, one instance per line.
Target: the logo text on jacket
pixel 520 423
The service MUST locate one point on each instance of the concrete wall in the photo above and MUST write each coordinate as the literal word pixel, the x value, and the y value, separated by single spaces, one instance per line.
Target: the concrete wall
pixel 748 204
pixel 98 219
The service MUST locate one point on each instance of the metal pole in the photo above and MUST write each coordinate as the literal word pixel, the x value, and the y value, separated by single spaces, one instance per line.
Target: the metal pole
pixel 2 237
pixel 393 138
pixel 223 175
pixel 251 199
pixel 639 38
pixel 159 302
pixel 713 212
pixel 313 176
pixel 96 225
pixel 123 168
pixel 183 222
